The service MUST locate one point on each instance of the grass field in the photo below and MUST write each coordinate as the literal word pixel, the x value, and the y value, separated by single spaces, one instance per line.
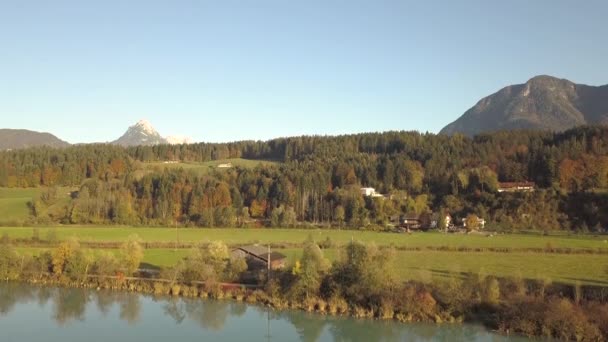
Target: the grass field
pixel 245 236
pixel 206 167
pixel 13 202
pixel 428 266
pixel 425 265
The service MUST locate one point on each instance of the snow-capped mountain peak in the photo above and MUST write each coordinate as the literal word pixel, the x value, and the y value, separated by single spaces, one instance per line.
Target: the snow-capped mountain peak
pixel 143 133
pixel 145 126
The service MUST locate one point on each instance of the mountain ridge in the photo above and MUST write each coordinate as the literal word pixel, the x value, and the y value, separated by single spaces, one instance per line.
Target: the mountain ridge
pixel 23 138
pixel 542 103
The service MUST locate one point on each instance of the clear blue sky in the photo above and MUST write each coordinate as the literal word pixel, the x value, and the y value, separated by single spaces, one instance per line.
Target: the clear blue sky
pixel 252 69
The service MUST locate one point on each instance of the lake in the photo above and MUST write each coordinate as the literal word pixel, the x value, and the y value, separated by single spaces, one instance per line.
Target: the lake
pixel 30 313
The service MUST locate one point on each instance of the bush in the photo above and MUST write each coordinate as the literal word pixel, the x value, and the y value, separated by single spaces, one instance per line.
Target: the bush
pixel 175 289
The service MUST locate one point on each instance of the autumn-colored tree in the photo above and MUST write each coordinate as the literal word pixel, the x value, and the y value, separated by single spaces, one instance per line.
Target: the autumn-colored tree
pixel 131 254
pixel 257 208
pixel 471 222
pixel 62 254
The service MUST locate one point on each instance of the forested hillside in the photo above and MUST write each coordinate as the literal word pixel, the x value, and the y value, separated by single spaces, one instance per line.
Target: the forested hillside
pixel 317 180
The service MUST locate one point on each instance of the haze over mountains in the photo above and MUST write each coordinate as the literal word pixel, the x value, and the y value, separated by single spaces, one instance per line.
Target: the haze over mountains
pixel 542 103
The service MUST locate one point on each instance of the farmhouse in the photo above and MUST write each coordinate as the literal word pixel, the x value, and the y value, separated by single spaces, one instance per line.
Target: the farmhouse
pixel 516 187
pixel 424 221
pixel 410 221
pixel 371 192
pixel 257 257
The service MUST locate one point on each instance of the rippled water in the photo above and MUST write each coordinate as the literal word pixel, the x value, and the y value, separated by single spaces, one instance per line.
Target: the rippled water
pixel 30 313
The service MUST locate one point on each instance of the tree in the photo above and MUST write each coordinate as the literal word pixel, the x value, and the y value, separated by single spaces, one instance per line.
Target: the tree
pixel 288 217
pixel 209 263
pixel 236 266
pixel 471 222
pixel 339 215
pixel 442 222
pixel 364 271
pixel 9 262
pixel 106 264
pixel 310 269
pixel 63 254
pixel 275 217
pixel 131 254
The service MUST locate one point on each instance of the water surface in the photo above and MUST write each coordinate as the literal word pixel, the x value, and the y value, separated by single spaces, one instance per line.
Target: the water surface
pixel 30 313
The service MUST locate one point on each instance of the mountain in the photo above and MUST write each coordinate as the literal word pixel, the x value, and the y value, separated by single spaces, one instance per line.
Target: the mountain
pixel 142 133
pixel 544 103
pixel 11 139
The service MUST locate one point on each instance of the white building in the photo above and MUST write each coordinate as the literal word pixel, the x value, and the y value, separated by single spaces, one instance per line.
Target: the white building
pixel 368 191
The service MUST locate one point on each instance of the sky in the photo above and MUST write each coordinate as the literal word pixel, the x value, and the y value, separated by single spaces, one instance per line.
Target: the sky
pixel 227 70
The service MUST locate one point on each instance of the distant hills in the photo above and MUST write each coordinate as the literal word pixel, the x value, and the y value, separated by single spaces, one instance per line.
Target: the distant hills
pixel 11 139
pixel 542 103
pixel 142 133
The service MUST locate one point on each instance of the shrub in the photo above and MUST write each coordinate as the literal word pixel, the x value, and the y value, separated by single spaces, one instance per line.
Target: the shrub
pixel 175 289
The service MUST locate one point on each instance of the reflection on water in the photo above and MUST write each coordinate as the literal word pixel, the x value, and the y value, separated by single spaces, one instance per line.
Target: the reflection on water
pixel 96 316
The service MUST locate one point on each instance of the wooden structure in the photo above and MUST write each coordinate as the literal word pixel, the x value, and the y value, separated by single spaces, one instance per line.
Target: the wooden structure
pixel 257 257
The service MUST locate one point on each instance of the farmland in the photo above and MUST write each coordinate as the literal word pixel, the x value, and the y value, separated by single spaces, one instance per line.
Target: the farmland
pixel 428 266
pixel 235 236
pixel 427 256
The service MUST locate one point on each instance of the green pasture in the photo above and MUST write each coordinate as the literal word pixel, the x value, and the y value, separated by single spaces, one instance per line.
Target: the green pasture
pixel 429 266
pixel 206 167
pixel 13 202
pixel 234 236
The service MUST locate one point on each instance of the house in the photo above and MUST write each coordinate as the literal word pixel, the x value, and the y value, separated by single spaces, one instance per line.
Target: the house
pixel 257 257
pixel 410 221
pixel 225 165
pixel 370 192
pixel 516 186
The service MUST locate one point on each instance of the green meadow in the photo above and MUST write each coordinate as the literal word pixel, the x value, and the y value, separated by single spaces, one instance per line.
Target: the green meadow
pixel 206 167
pixel 429 266
pixel 235 236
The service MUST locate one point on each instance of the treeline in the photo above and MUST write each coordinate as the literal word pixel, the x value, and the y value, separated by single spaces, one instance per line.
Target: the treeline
pixel 318 180
pixel 359 283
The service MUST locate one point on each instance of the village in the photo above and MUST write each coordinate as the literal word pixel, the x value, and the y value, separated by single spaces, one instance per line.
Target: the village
pixel 410 222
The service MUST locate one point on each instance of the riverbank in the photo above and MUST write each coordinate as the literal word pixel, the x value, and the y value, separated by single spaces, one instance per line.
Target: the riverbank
pixel 360 283
pixel 70 314
pixel 482 313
